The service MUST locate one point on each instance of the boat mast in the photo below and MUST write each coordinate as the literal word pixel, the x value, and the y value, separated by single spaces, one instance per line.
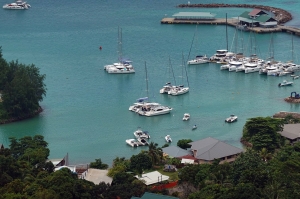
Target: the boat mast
pixel 183 65
pixel 292 48
pixel 121 53
pixel 226 35
pixel 146 80
pixel 171 70
pixel 192 43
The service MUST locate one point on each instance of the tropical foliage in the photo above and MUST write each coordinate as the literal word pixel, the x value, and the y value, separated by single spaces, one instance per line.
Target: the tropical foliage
pixel 184 143
pixel 22 88
pixel 263 133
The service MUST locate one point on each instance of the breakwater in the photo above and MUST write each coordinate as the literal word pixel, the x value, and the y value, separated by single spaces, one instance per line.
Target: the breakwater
pixel 281 15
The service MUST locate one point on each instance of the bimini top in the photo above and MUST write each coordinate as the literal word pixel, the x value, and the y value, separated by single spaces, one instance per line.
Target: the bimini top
pixel 194 15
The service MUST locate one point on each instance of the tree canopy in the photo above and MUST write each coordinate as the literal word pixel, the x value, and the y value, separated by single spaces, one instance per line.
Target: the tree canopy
pixel 22 87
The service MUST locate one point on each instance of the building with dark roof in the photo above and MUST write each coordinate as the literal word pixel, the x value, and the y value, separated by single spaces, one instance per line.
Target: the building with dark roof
pixel 205 151
pixel 291 132
pixel 257 18
pixel 176 152
pixel 209 149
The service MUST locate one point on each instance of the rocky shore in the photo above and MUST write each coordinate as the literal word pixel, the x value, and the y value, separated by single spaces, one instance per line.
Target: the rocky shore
pixel 6 121
pixel 283 114
pixel 282 16
pixel 292 100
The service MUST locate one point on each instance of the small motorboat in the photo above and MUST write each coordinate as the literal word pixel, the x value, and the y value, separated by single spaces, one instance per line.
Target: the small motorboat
pixel 18 5
pixel 296 77
pixel 186 117
pixel 132 142
pixel 194 127
pixel 232 118
pixel 139 133
pixel 285 83
pixel 168 138
pixel 142 141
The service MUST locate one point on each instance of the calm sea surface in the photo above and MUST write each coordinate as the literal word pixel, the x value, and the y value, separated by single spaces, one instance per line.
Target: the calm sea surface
pixel 86 110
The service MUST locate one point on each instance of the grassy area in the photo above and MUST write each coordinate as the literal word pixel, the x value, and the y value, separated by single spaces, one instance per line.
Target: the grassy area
pixel 173 175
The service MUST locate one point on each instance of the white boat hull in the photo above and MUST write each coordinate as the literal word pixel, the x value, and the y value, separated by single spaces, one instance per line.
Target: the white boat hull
pixel 179 92
pixel 155 113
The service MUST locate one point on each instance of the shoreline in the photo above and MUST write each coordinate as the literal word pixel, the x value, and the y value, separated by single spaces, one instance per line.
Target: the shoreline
pixel 29 116
pixel 281 15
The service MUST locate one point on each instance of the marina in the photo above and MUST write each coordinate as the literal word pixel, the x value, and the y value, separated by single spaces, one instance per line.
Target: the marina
pixel 85 111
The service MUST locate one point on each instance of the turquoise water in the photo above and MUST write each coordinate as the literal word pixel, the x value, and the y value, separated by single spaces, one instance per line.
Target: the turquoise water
pixel 86 110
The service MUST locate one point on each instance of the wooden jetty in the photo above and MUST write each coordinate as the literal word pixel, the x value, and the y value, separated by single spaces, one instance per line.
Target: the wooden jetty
pixel 232 22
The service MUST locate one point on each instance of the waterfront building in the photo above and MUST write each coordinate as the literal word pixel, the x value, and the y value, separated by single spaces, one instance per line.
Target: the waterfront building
pixel 257 18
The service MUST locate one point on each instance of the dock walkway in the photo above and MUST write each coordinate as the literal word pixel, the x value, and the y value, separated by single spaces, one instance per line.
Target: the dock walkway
pixel 232 22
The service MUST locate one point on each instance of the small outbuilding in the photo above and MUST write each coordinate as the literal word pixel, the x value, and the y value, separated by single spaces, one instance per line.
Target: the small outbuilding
pixel 291 132
pixel 152 177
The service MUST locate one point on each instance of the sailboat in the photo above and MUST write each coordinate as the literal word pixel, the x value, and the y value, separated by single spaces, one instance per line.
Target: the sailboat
pixel 123 66
pixel 200 59
pixel 179 90
pixel 149 109
pixel 168 86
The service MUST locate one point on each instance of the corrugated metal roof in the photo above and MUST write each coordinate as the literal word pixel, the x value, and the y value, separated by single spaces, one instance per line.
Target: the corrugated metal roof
pixel 211 148
pixel 195 14
pixel 254 12
pixel 152 177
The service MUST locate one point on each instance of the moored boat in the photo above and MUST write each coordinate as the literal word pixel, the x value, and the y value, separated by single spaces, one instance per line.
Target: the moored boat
pixel 168 138
pixel 132 142
pixel 232 118
pixel 18 5
pixel 139 133
pixel 186 117
pixel 285 83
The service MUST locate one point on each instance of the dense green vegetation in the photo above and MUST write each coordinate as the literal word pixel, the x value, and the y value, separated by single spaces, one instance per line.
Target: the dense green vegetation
pixel 269 168
pixel 22 88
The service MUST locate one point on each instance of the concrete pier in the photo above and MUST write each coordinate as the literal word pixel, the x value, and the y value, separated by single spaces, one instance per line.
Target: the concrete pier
pixel 232 22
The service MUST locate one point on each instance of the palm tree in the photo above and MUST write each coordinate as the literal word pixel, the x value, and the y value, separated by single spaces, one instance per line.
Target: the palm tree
pixel 265 155
pixel 155 153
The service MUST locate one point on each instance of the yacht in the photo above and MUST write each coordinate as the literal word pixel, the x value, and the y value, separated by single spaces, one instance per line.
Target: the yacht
pixel 200 59
pixel 179 90
pixel 18 5
pixel 234 65
pixel 142 102
pixel 224 67
pixel 132 142
pixel 252 67
pixel 139 133
pixel 121 67
pixel 270 70
pixel 168 87
pixel 218 56
pixel 153 111
pixel 168 138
